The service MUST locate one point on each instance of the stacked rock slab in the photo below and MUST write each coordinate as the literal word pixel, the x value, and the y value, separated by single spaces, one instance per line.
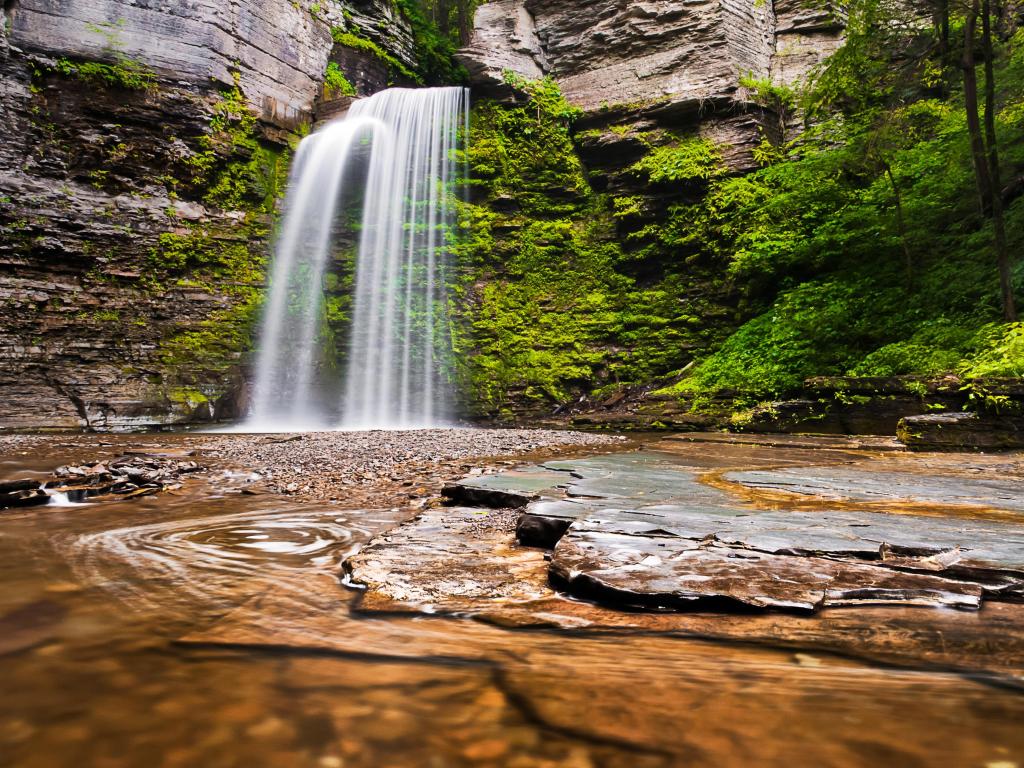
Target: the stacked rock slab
pixel 678 63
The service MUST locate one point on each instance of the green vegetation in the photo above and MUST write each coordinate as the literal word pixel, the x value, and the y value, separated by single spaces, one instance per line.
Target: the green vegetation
pixel 861 247
pixel 215 344
pixel 125 73
pixel 122 72
pixel 335 82
pixel 359 43
pixel 549 311
pixel 232 168
pixel 435 47
pixel 434 41
pixel 236 169
pixel 690 159
pixel 871 244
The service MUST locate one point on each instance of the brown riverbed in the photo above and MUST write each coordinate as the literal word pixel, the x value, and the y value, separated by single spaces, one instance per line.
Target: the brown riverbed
pixel 207 627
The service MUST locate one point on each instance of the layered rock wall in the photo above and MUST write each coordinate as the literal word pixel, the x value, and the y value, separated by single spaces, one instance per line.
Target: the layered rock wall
pixel 278 49
pixel 679 64
pixel 144 147
pixel 674 97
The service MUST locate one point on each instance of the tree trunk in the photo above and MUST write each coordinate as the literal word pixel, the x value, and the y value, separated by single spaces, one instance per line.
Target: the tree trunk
pixel 443 16
pixel 981 174
pixel 465 20
pixel 941 22
pixel 908 259
pixel 996 187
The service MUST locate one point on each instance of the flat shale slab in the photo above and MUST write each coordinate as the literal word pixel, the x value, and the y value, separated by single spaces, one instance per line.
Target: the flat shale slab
pixel 664 530
pixel 666 571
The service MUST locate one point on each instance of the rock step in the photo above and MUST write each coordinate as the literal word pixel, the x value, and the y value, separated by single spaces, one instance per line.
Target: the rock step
pixel 961 432
pixel 641 530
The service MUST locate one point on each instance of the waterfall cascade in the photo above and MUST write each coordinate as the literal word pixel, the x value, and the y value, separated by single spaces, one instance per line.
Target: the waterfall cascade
pixel 393 157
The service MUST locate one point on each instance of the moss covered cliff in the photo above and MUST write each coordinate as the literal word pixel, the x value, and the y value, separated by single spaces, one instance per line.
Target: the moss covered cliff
pixel 628 254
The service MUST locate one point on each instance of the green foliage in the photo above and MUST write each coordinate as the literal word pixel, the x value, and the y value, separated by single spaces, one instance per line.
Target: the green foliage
pixel 125 73
pixel 1000 352
pixel 434 52
pixel 195 250
pixel 122 72
pixel 880 62
pixel 691 159
pixel 809 330
pixel 335 82
pixel 544 96
pixel 233 166
pixel 214 344
pixel 783 99
pixel 227 263
pixel 547 313
pixel 526 151
pixel 859 248
pixel 359 43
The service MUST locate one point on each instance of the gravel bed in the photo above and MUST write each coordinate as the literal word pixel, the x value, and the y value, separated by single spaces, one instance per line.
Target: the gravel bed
pixel 404 464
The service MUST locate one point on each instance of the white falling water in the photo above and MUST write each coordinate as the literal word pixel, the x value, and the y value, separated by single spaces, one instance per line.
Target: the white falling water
pixel 395 151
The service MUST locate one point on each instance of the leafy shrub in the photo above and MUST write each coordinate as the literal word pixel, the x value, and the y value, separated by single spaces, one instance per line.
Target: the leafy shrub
pixel 810 330
pixel 358 43
pixel 124 73
pixel 335 82
pixel 1001 352
pixel 692 159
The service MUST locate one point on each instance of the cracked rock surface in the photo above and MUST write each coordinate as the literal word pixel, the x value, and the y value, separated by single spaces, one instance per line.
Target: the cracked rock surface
pixel 677 528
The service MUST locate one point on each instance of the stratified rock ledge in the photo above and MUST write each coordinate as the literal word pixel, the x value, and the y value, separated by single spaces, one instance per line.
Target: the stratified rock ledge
pixel 961 432
pixel 639 531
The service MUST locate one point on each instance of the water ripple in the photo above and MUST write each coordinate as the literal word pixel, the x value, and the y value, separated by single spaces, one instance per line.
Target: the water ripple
pixel 217 558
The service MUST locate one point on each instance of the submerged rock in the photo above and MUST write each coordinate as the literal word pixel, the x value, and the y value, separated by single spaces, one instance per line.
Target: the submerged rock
pixel 506 490
pixel 126 477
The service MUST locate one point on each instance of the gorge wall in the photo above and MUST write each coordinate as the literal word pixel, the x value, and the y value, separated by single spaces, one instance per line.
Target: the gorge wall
pixel 579 289
pixel 147 147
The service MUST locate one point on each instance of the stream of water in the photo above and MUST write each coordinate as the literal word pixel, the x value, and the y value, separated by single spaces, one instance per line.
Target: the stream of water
pixel 209 628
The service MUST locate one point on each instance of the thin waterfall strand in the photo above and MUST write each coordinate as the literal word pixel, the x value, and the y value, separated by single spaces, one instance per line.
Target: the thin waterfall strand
pixel 399 352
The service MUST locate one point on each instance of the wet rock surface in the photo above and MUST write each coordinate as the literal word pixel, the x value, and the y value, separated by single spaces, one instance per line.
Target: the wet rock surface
pixel 975 487
pixel 212 630
pixel 121 477
pixel 99 181
pixel 701 538
pixel 644 530
pixel 128 476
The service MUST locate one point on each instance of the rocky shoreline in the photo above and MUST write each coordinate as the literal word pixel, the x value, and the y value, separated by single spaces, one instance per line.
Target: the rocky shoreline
pixel 359 469
pixel 395 466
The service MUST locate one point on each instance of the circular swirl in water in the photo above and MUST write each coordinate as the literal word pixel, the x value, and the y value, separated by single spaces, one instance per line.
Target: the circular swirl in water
pixel 213 558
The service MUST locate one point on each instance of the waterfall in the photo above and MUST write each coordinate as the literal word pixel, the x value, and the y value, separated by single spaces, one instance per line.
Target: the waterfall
pixel 393 157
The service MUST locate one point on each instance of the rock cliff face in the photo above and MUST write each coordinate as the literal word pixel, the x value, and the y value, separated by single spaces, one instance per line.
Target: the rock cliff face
pixel 144 145
pixel 612 53
pixel 676 63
